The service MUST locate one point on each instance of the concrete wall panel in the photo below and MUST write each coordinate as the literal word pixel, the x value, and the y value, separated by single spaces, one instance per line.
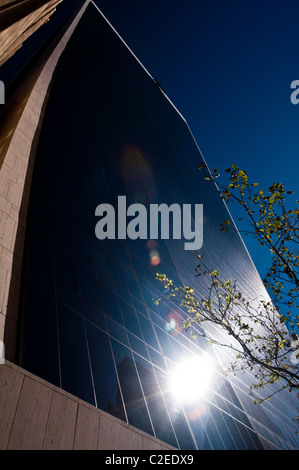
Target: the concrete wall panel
pixel 87 429
pixel 31 416
pixel 10 388
pixel 36 415
pixel 61 423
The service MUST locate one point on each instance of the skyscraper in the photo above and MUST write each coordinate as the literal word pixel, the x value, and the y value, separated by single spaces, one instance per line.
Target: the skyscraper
pixel 87 126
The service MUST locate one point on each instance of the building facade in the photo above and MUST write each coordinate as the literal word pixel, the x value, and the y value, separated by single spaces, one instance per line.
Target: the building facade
pixel 18 21
pixel 90 124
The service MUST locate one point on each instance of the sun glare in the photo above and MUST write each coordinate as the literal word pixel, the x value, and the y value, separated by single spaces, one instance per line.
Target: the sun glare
pixel 191 379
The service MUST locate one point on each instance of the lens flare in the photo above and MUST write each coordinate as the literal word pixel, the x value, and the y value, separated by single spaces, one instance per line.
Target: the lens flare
pixel 154 258
pixel 151 244
pixel 173 323
pixel 137 173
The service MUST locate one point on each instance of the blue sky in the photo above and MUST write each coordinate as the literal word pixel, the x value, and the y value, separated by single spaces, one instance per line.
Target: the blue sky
pixel 227 66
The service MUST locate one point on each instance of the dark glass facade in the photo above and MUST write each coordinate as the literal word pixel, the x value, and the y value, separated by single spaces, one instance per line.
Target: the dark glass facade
pixel 88 321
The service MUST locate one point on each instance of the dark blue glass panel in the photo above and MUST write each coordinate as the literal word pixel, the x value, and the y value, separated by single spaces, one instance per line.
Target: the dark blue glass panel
pixel 181 428
pixel 156 319
pixel 165 344
pixel 41 211
pixel 117 331
pixel 102 265
pixel 140 306
pixel 41 250
pixel 107 390
pixel 39 347
pixel 90 289
pixel 63 226
pixel 74 362
pixel 110 304
pixel 131 390
pixel 224 426
pixel 155 402
pixel 69 298
pixel 94 315
pixel 82 246
pixel 148 332
pixel 256 443
pixel 129 316
pixel 156 358
pixel 41 279
pixel 138 346
pixel 66 271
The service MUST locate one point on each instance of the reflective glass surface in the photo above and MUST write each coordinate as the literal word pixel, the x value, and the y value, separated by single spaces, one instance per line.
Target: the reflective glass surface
pixel 88 320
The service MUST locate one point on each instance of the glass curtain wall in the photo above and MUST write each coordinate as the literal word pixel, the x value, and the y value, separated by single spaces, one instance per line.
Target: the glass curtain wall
pixel 88 320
